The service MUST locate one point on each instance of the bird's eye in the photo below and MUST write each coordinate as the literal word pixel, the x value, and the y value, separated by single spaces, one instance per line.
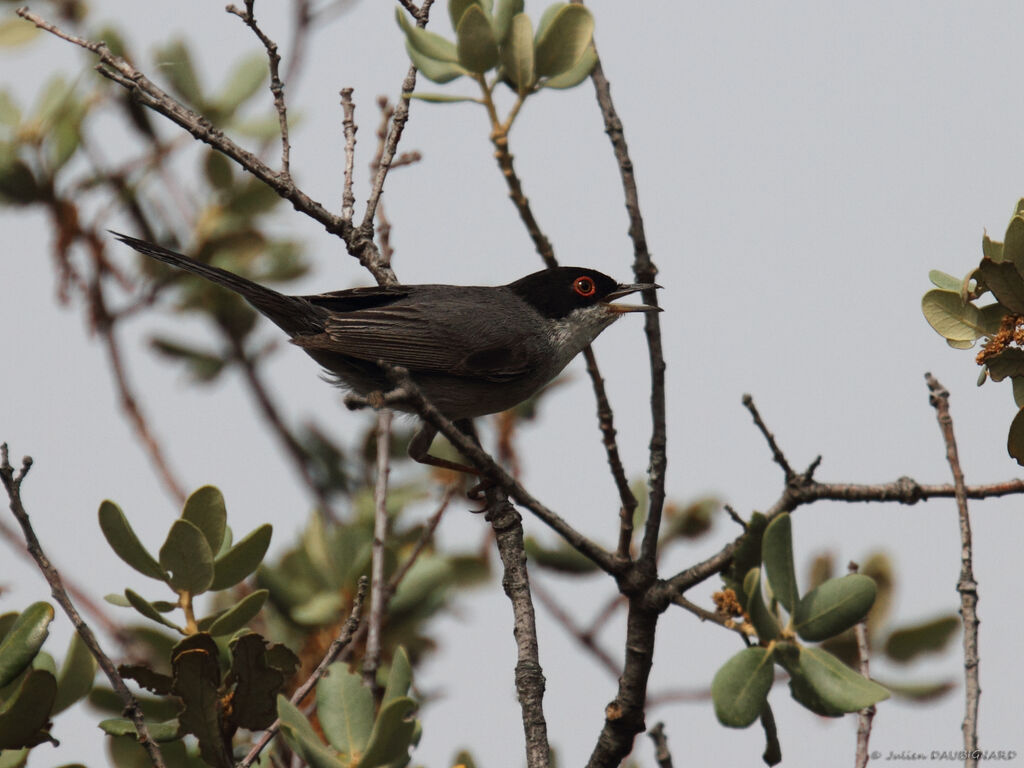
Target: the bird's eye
pixel 584 286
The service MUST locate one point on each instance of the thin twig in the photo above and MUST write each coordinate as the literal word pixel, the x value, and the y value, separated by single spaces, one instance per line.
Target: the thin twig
pixel 424 539
pixel 624 716
pixel 705 615
pixel 966 586
pixel 348 123
pixel 777 455
pixel 339 644
pixel 371 660
pixel 606 423
pixel 580 634
pixel 661 753
pixel 866 715
pixel 276 84
pixel 12 483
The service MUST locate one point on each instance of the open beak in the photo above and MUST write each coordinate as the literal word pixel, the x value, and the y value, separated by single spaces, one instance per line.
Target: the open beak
pixel 625 289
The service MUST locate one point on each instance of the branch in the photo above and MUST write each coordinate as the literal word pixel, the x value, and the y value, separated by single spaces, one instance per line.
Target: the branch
pixel 508 533
pixel 378 600
pixel 407 394
pixel 150 95
pixel 866 715
pixel 966 586
pixel 645 272
pixel 661 753
pixel 348 630
pixel 348 124
pixel 12 483
pixel 276 85
pixel 777 455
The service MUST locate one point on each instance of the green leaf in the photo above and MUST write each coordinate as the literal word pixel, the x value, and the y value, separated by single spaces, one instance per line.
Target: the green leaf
pixel 477 48
pixel 1015 438
pixel 836 686
pixel 240 614
pixel 24 639
pixel 1009 362
pixel 76 674
pixel 440 72
pixel 156 682
pixel 187 557
pixel 1005 282
pixel 835 606
pixel 23 723
pixel 303 739
pixel 740 688
pixel 429 44
pixel 458 8
pixel 764 621
pixel 1018 390
pixel 907 643
pixel 577 73
pixel 345 708
pixel 392 734
pixel 990 249
pixel 202 366
pixel 243 81
pixel 175 63
pixel 10 112
pixel 561 558
pixel 399 677
pixel 777 553
pixel 561 43
pixel 442 98
pixel 196 666
pixel 237 563
pixel 205 510
pixel 517 54
pixel 943 281
pixel 951 316
pixel 990 317
pixel 126 544
pixel 148 610
pixel 169 730
pixel 15 32
pixel 220 174
pixel 1013 243
pixel 503 14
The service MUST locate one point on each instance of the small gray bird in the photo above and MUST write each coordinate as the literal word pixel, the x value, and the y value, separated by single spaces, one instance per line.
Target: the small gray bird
pixel 472 350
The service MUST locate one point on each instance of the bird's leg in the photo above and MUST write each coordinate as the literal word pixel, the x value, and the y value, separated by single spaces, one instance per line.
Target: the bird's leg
pixel 419 448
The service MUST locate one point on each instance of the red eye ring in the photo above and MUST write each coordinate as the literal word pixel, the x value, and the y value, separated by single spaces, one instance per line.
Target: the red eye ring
pixel 584 286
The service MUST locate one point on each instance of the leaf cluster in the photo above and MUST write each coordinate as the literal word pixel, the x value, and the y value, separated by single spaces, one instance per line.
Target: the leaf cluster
pixel 497 36
pixel 355 736
pixel 818 680
pixel 32 690
pixel 952 309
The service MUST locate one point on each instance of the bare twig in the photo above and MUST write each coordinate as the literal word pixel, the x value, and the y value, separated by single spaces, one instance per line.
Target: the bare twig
pixel 777 455
pixel 606 423
pixel 866 715
pixel 12 483
pixel 348 631
pixel 371 660
pixel 966 586
pixel 421 543
pixel 348 196
pixel 705 615
pixel 581 635
pixel 276 84
pixel 661 753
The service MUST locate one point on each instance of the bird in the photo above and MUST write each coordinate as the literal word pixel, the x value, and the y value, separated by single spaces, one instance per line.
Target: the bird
pixel 471 350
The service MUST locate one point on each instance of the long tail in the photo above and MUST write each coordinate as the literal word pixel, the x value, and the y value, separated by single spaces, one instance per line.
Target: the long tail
pixel 295 316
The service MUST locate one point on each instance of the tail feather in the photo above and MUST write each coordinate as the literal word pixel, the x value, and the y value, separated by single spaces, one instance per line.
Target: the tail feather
pixel 294 315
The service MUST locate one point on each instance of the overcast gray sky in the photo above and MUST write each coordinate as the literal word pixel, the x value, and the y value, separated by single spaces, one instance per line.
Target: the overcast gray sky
pixel 801 168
